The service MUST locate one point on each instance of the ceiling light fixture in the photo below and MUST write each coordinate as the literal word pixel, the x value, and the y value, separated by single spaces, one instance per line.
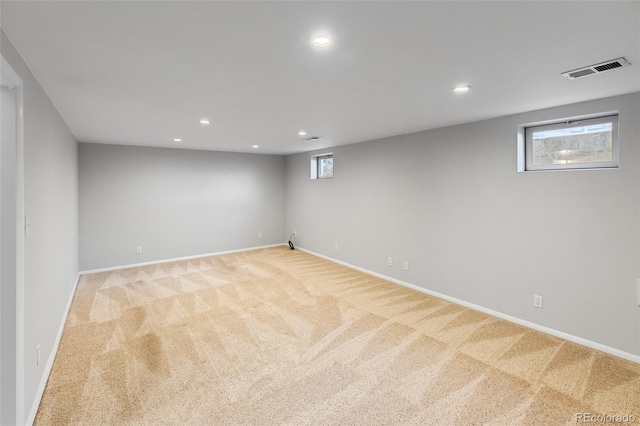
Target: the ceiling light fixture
pixel 255 146
pixel 177 140
pixel 205 121
pixel 322 41
pixel 302 133
pixel 461 89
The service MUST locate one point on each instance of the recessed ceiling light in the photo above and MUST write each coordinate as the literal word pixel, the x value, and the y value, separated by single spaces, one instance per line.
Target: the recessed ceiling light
pixel 205 121
pixel 461 89
pixel 322 41
pixel 255 146
pixel 177 140
pixel 302 133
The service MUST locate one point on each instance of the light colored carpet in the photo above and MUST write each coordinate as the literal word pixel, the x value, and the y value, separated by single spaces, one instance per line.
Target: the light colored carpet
pixel 283 337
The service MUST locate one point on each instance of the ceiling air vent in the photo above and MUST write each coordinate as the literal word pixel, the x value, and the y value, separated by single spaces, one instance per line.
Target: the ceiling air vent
pixel 596 69
pixel 313 138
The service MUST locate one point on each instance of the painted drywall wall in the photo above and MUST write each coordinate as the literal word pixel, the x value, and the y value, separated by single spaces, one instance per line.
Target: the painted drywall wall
pixel 175 203
pixel 450 202
pixel 51 249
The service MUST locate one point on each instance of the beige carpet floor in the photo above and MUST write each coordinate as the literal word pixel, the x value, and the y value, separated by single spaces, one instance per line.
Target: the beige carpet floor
pixel 283 337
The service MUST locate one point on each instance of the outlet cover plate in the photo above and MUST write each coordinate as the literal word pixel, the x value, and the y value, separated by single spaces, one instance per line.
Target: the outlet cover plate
pixel 537 301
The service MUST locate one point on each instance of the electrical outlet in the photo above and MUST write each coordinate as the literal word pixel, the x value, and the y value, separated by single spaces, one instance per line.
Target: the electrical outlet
pixel 389 261
pixel 139 249
pixel 335 246
pixel 295 234
pixel 537 301
pixel 260 235
pixel 406 266
pixel 38 355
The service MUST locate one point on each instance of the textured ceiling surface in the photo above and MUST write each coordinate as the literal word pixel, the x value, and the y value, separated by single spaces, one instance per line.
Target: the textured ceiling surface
pixel 145 73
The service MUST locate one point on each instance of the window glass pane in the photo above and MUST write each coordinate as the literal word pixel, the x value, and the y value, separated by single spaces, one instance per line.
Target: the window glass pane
pixel 325 167
pixel 573 145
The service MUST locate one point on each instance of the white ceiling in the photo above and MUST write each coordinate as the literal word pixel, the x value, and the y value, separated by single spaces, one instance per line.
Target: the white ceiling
pixel 144 73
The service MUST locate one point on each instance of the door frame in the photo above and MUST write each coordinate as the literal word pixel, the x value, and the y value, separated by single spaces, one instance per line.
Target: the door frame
pixel 9 75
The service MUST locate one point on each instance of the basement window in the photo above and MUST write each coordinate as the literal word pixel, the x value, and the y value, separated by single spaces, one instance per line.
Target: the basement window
pixel 322 166
pixel 579 143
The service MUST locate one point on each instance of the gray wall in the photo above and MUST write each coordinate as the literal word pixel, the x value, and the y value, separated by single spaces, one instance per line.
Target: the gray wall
pixel 175 203
pixel 51 202
pixel 450 202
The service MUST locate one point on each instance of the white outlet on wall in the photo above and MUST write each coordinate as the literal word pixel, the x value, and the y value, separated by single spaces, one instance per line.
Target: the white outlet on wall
pixel 139 249
pixel 260 235
pixel 537 301
pixel 335 246
pixel 389 261
pixel 406 266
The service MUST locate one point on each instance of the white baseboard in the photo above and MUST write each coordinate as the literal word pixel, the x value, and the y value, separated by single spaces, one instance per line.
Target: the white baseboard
pixel 561 334
pixel 52 357
pixel 177 259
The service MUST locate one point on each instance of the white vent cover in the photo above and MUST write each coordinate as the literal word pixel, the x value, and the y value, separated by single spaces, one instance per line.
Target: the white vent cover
pixel 597 68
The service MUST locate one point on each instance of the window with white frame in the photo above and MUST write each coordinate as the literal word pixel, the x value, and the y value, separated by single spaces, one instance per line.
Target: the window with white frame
pixel 322 166
pixel 586 143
